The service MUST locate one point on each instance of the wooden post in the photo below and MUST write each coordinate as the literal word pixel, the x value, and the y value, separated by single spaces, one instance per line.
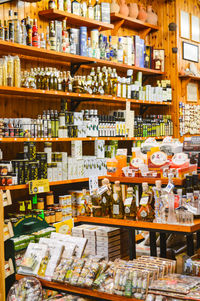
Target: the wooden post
pixel 2 262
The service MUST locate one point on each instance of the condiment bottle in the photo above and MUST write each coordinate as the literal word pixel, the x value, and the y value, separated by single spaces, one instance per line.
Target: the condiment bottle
pixel 145 211
pixel 130 208
pixel 117 206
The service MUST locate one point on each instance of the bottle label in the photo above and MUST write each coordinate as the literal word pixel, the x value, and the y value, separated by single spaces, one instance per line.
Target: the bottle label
pixel 116 209
pixel 144 200
pixel 128 202
pixel 143 213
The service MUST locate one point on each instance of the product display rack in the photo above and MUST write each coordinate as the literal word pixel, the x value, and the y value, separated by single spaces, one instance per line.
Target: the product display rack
pixel 16 139
pixel 71 95
pixel 80 291
pixel 74 20
pixel 62 58
pixel 152 228
pixel 131 23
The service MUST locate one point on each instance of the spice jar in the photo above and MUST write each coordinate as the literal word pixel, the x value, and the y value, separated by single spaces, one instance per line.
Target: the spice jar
pixel 52 217
pixel 47 217
pixel 49 198
pixel 58 212
pixel 40 204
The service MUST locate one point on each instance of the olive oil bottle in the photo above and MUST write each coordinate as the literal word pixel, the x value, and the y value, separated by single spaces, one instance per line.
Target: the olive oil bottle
pixel 106 197
pixel 118 205
pixel 43 265
pixel 130 208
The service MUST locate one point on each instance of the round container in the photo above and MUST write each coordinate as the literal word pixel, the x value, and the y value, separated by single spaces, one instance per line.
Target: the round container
pixel 40 204
pixel 49 198
pixel 47 217
pixel 52 217
pixel 58 213
pixel 62 119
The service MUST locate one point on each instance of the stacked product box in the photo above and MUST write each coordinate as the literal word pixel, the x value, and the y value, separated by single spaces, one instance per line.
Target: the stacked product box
pixel 102 241
pixel 124 241
pixel 108 242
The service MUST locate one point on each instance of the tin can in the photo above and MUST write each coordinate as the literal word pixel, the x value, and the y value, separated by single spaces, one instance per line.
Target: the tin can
pixel 33 171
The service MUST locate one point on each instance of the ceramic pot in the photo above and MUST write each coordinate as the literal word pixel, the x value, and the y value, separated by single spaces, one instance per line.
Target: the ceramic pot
pixel 142 15
pixel 152 17
pixel 124 10
pixel 133 10
pixel 114 7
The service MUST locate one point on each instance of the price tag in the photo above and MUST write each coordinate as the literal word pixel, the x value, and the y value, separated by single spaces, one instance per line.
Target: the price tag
pixel 38 186
pixel 93 183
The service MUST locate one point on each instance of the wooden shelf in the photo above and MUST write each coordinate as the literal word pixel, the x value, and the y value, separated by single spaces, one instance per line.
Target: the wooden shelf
pixel 13 140
pixel 79 290
pixel 27 92
pixel 62 58
pixel 138 180
pixel 72 19
pixel 139 225
pixel 25 186
pixel 191 77
pixel 132 23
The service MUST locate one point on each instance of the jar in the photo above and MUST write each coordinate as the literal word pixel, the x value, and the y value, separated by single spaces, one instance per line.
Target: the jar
pixel 40 204
pixel 47 217
pixel 52 217
pixel 49 198
pixel 3 170
pixel 58 212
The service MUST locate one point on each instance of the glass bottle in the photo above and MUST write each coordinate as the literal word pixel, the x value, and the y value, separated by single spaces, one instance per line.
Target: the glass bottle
pixel 117 206
pixel 76 8
pixel 56 124
pixel 145 211
pixel 35 38
pixel 6 31
pixel 96 204
pixel 51 4
pixel 52 117
pixel 42 41
pixel 130 208
pixel 24 32
pixel 84 8
pixel 158 201
pixel 120 51
pixel 2 32
pixel 17 29
pixel 90 10
pixel 11 26
pixel 52 36
pixel 29 32
pixel 43 265
pixel 97 11
pixel 106 198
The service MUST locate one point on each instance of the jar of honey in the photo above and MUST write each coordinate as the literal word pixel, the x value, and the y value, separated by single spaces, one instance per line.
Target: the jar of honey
pixel 50 198
pixel 58 213
pixel 52 217
pixel 40 204
pixel 47 217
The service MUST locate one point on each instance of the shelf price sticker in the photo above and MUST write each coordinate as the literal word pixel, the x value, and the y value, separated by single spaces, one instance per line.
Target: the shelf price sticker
pixel 38 186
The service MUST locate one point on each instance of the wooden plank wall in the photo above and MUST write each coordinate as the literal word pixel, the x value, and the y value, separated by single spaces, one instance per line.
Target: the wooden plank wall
pixel 193 8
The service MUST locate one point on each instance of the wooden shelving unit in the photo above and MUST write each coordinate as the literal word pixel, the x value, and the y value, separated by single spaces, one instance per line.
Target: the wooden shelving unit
pixel 191 77
pixel 80 291
pixel 131 23
pixel 25 186
pixel 74 20
pixel 27 92
pixel 139 180
pixel 63 58
pixel 14 140
pixel 140 225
